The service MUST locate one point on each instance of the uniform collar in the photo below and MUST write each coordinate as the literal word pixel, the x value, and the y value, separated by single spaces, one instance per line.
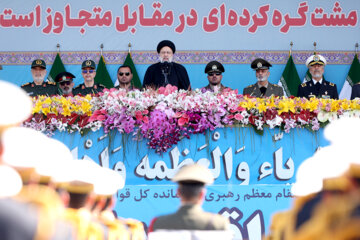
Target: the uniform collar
pixel 320 81
pixel 266 86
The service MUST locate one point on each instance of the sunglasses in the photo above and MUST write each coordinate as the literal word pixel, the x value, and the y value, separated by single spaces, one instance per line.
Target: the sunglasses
pixel 213 74
pixel 88 71
pixel 65 83
pixel 126 74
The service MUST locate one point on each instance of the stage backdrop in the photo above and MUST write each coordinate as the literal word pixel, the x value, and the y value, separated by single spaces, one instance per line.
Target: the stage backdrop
pixel 232 32
pixel 252 173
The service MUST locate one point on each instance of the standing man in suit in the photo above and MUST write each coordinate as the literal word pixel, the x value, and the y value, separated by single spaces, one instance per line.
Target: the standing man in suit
pixel 191 181
pixel 262 88
pixel 317 86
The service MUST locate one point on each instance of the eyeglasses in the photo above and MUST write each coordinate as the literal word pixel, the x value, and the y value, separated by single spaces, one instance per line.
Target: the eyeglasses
pixel 88 71
pixel 214 73
pixel 126 74
pixel 65 83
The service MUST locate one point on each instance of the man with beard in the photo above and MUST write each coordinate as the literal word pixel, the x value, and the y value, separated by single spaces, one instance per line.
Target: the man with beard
pixel 166 71
pixel 66 84
pixel 124 77
pixel 317 87
pixel 38 86
pixel 262 88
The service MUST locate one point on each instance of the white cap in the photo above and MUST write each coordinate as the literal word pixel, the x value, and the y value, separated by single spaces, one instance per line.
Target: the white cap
pixel 15 105
pixel 194 172
pixel 10 182
pixel 315 59
pixel 108 182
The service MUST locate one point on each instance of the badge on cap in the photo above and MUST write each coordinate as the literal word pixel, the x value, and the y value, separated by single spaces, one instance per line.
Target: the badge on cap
pixel 214 67
pixel 38 62
pixel 88 63
pixel 259 65
pixel 316 58
pixel 64 78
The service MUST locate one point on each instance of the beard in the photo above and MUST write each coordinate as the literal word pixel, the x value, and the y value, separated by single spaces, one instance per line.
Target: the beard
pixel 38 79
pixel 162 60
pixel 261 79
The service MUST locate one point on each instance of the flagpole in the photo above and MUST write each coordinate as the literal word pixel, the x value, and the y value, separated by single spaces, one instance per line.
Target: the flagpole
pixel 291 45
pixel 314 48
pixel 58 48
pixel 356 48
pixel 101 49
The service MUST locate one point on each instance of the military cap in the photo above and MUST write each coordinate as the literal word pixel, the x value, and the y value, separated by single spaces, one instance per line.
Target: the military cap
pixel 214 66
pixel 166 43
pixel 315 59
pixel 194 173
pixel 15 103
pixel 64 76
pixel 88 64
pixel 108 182
pixel 38 63
pixel 260 63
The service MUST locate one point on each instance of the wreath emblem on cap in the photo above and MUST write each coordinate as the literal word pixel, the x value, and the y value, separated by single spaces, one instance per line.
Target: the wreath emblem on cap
pixel 214 67
pixel 64 78
pixel 88 63
pixel 259 65
pixel 316 58
pixel 38 62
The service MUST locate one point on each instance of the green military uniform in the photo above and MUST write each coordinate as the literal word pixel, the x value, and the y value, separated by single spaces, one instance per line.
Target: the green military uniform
pixel 271 90
pixel 83 90
pixel 46 88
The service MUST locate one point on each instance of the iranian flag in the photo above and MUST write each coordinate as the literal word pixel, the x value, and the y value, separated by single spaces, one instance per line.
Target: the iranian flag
pixel 290 80
pixel 352 78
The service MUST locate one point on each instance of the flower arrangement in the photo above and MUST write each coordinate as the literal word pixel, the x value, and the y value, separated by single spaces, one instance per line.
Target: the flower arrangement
pixel 164 116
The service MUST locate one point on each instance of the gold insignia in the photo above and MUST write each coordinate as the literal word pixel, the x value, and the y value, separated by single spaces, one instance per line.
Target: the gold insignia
pixel 38 62
pixel 64 78
pixel 303 85
pixel 259 65
pixel 25 84
pixel 214 67
pixel 331 84
pixel 51 83
pixel 316 58
pixel 88 63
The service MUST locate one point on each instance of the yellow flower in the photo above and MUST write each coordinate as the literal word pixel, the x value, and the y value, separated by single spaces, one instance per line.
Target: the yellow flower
pixel 261 107
pixel 345 104
pixel 249 103
pixel 286 105
pixel 335 105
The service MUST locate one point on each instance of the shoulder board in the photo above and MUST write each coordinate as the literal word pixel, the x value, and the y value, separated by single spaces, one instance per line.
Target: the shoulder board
pixel 100 85
pixel 250 86
pixel 331 84
pixel 51 83
pixel 303 85
pixel 25 84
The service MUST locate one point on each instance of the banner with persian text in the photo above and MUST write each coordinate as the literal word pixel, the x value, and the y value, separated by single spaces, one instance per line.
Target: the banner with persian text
pixel 252 172
pixel 192 25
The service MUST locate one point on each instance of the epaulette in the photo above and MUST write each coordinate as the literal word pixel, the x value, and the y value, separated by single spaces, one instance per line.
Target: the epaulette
pixel 303 85
pixel 51 83
pixel 25 84
pixel 101 85
pixel 250 86
pixel 331 84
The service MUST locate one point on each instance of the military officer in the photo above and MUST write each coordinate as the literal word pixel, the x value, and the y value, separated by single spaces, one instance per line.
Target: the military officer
pixel 355 91
pixel 191 181
pixel 66 84
pixel 89 86
pixel 317 87
pixel 38 86
pixel 214 70
pixel 262 88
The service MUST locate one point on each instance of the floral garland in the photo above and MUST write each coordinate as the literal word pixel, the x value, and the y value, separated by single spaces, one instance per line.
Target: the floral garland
pixel 165 116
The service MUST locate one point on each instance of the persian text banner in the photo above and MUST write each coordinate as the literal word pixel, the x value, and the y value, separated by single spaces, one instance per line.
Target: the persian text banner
pixel 200 25
pixel 252 172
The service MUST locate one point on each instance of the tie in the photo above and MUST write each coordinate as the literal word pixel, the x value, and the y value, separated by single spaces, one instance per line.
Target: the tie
pixel 262 90
pixel 317 88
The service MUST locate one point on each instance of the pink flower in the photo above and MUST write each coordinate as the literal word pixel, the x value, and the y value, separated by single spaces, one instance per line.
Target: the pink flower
pixel 238 117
